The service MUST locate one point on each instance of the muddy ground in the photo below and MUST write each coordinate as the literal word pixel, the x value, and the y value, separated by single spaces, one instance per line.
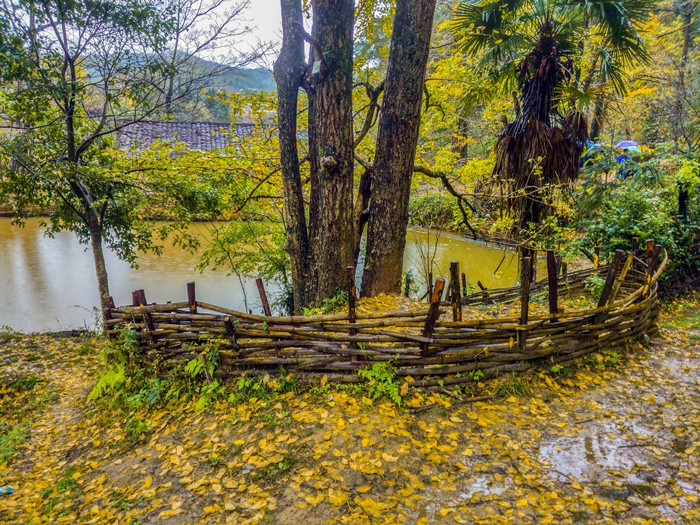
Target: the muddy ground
pixel 614 440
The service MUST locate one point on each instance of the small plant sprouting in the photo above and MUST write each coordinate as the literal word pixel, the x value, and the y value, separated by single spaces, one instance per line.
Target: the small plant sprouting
pixel 381 382
pixel 476 375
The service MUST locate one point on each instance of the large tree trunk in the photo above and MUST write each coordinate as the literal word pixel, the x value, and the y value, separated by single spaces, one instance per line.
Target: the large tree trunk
pixel 331 146
pixel 396 146
pixel 289 73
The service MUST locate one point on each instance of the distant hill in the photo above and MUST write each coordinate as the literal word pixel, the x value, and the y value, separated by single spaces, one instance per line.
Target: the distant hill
pixel 258 79
pixel 254 79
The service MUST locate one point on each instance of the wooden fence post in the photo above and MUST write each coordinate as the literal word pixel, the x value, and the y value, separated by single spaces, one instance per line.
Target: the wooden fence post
pixel 140 296
pixel 552 283
pixel 455 295
pixel 263 297
pixel 231 333
pixel 135 298
pixel 610 278
pixel 464 284
pixel 434 311
pixel 526 272
pixel 191 299
pixel 430 286
pixel 650 249
pixel 352 299
pixel 110 307
pixel 652 266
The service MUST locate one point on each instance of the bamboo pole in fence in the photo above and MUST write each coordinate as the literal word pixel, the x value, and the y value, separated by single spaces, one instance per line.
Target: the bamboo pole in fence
pixel 433 312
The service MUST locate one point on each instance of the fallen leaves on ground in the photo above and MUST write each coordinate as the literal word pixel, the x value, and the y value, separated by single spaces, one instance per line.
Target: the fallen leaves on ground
pixel 618 445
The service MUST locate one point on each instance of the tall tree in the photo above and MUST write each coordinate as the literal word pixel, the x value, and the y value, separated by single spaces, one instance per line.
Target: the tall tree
pixel 535 45
pixel 290 69
pixel 331 160
pixel 396 146
pixel 321 249
pixel 84 77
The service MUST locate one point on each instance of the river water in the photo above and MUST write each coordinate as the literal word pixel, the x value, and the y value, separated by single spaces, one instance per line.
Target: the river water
pixel 48 284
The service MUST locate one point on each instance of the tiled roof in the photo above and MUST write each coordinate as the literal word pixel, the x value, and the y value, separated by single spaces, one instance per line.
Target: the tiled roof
pixel 203 136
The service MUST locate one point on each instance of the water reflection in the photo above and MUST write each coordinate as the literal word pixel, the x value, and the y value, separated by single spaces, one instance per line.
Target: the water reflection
pixel 49 283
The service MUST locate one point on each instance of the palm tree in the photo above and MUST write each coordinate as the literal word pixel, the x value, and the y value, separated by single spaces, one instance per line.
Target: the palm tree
pixel 551 54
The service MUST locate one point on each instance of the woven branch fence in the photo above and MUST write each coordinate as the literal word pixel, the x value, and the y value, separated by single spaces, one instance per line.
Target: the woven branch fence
pixel 425 344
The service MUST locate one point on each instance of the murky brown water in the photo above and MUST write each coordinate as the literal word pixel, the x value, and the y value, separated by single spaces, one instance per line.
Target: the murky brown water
pixel 49 283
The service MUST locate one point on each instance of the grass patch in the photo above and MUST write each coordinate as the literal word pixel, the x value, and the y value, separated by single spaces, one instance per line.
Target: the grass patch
pixel 61 492
pixel 21 398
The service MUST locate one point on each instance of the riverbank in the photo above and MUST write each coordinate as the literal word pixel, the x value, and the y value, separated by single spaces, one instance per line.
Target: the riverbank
pixel 49 283
pixel 613 441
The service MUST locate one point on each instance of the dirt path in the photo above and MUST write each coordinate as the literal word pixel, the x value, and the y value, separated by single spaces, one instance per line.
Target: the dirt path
pixel 614 445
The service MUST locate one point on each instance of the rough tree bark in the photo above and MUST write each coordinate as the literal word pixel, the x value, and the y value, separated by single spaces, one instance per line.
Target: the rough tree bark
pixel 396 147
pixel 289 73
pixel 329 86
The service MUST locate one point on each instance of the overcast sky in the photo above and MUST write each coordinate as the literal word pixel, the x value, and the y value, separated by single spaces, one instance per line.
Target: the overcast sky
pixel 265 16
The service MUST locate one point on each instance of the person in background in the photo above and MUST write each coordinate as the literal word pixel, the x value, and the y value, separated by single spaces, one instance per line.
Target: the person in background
pixel 623 160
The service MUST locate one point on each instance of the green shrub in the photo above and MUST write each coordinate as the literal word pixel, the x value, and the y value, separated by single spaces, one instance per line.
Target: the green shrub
pixel 433 210
pixel 381 382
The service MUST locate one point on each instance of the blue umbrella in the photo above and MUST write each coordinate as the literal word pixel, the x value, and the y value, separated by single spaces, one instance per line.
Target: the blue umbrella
pixel 627 144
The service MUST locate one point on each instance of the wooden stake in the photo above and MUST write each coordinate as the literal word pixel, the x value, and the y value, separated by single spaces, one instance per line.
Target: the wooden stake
pixel 652 266
pixel 610 278
pixel 552 283
pixel 191 300
pixel 526 272
pixel 433 312
pixel 147 317
pixel 464 284
pixel 263 297
pixel 455 296
pixel 231 332
pixel 110 307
